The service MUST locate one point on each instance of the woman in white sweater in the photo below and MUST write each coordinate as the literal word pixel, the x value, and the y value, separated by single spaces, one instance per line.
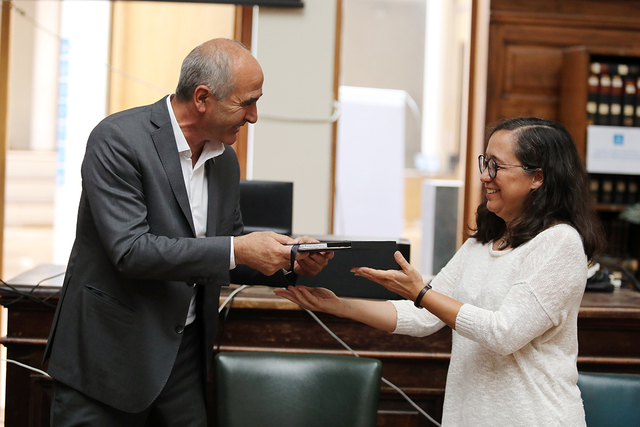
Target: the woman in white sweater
pixel 511 293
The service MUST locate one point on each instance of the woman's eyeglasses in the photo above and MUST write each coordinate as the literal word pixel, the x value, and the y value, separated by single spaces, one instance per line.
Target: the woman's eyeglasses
pixel 493 166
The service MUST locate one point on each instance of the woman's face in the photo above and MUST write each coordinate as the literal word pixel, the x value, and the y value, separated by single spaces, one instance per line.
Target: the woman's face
pixel 508 190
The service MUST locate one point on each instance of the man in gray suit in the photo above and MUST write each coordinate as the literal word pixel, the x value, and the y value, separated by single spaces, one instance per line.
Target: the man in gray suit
pixel 159 232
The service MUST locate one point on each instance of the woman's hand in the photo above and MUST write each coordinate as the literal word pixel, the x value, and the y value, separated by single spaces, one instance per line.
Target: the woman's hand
pixel 379 314
pixel 407 282
pixel 314 299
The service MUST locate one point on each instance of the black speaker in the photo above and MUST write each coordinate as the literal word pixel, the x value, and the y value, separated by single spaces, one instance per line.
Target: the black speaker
pixel 337 276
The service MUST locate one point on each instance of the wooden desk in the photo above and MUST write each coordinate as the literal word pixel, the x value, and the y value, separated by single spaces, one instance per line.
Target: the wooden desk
pixel 608 334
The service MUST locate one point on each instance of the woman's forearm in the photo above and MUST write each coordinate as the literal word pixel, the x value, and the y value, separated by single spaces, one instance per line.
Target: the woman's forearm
pixel 378 314
pixel 445 308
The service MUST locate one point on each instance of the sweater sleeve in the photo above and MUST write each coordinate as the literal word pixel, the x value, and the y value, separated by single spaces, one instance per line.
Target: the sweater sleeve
pixel 420 322
pixel 552 280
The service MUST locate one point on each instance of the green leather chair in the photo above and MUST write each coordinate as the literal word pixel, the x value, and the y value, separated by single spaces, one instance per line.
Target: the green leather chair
pixel 610 399
pixel 296 390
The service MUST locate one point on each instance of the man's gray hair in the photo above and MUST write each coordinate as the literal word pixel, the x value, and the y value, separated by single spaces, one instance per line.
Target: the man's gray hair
pixel 210 64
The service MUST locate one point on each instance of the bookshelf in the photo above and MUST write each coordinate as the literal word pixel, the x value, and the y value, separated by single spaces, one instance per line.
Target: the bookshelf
pixel 592 107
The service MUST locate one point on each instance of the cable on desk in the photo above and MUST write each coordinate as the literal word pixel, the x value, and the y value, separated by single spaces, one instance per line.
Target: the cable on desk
pixel 231 296
pixel 222 324
pixel 29 295
pixel 26 366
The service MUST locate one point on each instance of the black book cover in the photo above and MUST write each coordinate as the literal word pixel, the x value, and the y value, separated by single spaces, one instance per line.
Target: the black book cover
pixel 636 117
pixel 632 190
pixel 604 101
pixel 593 96
pixel 615 110
pixel 628 101
pixel 620 190
pixel 606 190
pixel 594 188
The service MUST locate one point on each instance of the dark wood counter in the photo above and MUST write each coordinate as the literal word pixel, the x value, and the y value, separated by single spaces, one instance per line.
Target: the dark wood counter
pixel 608 333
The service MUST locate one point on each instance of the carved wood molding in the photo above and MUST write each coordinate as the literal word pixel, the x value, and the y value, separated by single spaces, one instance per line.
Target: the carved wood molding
pixel 566 20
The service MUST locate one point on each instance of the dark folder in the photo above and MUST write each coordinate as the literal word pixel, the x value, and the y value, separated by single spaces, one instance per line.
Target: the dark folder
pixel 337 276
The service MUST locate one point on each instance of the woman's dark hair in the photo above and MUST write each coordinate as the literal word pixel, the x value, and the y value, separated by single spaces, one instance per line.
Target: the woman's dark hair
pixel 563 196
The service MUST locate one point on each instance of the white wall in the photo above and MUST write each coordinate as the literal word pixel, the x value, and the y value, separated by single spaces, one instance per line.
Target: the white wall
pixel 292 140
pixel 33 80
pixel 82 100
pixel 21 66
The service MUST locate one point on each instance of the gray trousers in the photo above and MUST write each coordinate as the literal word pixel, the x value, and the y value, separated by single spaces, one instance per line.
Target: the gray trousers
pixel 182 402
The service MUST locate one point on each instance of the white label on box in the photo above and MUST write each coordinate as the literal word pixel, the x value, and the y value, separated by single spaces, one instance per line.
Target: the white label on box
pixel 613 149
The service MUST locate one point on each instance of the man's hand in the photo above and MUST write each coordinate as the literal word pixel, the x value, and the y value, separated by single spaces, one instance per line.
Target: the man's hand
pixel 265 251
pixel 314 262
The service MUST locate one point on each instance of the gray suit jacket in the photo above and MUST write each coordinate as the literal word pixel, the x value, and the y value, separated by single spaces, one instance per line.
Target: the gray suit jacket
pixel 131 272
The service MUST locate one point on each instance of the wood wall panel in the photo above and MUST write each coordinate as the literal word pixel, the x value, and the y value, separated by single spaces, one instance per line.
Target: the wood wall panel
pixel 527 108
pixel 525 54
pixel 5 27
pixel 532 70
pixel 591 13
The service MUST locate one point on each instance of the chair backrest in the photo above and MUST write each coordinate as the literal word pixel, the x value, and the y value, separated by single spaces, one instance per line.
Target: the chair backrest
pixel 258 389
pixel 266 206
pixel 610 399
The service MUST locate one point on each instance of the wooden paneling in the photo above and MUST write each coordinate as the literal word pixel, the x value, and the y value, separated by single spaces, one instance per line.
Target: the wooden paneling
pixel 574 96
pixel 608 335
pixel 526 44
pixel 584 13
pixel 5 31
pixel 529 70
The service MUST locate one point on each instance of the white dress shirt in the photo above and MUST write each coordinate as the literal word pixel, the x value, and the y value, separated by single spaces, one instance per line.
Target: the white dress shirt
pixel 197 187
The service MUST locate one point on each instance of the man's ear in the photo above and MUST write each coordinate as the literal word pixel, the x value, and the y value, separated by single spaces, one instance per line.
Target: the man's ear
pixel 538 178
pixel 200 96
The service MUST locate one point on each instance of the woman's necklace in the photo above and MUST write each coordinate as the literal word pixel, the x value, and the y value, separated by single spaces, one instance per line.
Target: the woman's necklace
pixel 503 244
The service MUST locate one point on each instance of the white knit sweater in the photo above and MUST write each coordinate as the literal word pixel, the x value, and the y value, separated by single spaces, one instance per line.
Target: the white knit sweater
pixel 513 360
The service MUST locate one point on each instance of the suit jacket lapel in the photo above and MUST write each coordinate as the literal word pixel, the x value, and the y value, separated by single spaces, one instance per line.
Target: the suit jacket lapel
pixel 212 206
pixel 165 144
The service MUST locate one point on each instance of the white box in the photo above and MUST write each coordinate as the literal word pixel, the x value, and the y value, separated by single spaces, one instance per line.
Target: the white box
pixel 439 200
pixel 370 154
